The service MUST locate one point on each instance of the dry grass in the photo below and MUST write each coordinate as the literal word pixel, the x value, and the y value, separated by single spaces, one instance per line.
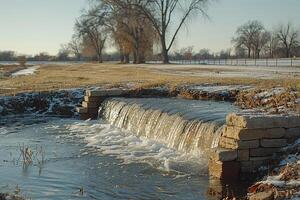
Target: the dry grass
pixel 53 77
pixel 6 70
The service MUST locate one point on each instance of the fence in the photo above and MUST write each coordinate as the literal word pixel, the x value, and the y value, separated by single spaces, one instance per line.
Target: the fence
pixel 269 62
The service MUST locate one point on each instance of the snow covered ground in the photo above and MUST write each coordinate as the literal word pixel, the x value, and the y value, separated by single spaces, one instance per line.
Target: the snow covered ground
pixel 227 71
pixel 27 71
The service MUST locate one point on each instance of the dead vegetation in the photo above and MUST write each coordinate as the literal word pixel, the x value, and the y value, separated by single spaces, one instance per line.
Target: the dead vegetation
pixel 7 70
pixel 285 186
pixel 277 100
pixel 54 77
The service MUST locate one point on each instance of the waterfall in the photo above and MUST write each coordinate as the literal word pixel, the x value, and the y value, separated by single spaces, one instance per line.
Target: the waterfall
pixel 173 130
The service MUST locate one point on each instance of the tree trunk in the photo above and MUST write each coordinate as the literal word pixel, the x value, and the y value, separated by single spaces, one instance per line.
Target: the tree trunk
pixel 122 56
pixel 99 58
pixel 287 53
pixel 126 58
pixel 249 53
pixel 164 53
pixel 135 57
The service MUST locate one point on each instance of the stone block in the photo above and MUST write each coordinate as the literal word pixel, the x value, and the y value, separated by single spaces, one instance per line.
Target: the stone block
pixel 261 152
pixel 251 165
pixel 292 132
pixel 221 154
pixel 81 110
pixel 106 92
pixel 252 134
pixel 230 143
pixel 85 116
pixel 224 170
pixel 270 143
pixel 93 99
pixel 264 159
pixel 243 155
pixel 257 121
pixel 89 105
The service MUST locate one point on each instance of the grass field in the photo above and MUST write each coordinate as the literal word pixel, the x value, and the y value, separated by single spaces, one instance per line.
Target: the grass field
pixel 53 77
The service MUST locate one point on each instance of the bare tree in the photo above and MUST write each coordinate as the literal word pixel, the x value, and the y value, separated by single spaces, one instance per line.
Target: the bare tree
pixel 288 37
pixel 75 47
pixel 260 40
pixel 247 34
pixel 272 45
pixel 93 31
pixel 164 13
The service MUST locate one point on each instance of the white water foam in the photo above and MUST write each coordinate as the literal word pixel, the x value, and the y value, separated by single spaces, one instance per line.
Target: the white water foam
pixel 3 131
pixel 129 148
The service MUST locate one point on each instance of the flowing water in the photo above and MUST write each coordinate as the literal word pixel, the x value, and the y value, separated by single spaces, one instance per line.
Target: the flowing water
pixel 75 159
pixel 186 125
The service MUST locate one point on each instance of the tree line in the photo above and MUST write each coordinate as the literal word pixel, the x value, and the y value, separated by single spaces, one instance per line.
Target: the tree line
pixel 134 27
pixel 253 40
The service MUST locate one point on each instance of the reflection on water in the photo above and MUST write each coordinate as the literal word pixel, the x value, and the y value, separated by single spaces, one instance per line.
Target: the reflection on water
pixel 92 160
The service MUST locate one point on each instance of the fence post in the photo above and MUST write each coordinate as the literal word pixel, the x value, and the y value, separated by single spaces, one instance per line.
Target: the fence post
pixel 276 60
pixel 291 61
pixel 267 63
pixel 245 62
pixel 255 61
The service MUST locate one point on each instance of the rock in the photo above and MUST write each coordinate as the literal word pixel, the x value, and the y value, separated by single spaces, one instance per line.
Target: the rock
pixel 221 154
pixel 293 133
pixel 81 110
pixel 95 105
pixel 266 195
pixel 252 134
pixel 224 170
pixel 257 121
pixel 273 143
pixel 230 143
pixel 261 152
pixel 93 99
pixel 63 110
pixel 243 155
pixel 106 92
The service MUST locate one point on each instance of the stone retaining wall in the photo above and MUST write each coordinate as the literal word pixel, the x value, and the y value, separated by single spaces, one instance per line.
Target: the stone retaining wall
pixel 250 141
pixel 93 100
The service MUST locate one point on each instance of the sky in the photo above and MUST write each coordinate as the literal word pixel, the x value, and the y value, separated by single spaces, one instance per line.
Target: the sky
pixel 33 26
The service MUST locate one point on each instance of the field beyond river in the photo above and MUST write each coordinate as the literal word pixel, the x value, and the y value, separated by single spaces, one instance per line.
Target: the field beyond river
pixel 51 77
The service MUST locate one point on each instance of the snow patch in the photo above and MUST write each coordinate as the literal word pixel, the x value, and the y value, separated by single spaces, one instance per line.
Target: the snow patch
pixel 25 72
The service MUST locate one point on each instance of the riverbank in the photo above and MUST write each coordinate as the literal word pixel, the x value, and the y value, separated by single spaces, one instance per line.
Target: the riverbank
pixel 54 77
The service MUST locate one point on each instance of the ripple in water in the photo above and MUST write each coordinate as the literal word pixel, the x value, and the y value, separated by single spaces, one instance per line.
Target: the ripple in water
pixel 108 163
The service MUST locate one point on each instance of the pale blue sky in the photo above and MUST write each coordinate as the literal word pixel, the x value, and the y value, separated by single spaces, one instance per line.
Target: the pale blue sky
pixel 32 26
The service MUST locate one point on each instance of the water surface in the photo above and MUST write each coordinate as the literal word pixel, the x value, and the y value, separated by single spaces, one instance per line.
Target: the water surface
pixel 105 162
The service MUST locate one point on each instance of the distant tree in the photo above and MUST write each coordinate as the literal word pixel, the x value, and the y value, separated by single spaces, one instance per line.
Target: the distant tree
pixel 22 61
pixel 7 56
pixel 43 56
pixel 249 35
pixel 225 54
pixel 132 31
pixel 92 30
pixel 272 45
pixel 260 41
pixel 164 14
pixel 288 38
pixel 187 53
pixel 204 54
pixel 75 47
pixel 63 54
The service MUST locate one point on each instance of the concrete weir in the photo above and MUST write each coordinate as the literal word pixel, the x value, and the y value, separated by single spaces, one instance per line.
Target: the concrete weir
pixel 248 140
